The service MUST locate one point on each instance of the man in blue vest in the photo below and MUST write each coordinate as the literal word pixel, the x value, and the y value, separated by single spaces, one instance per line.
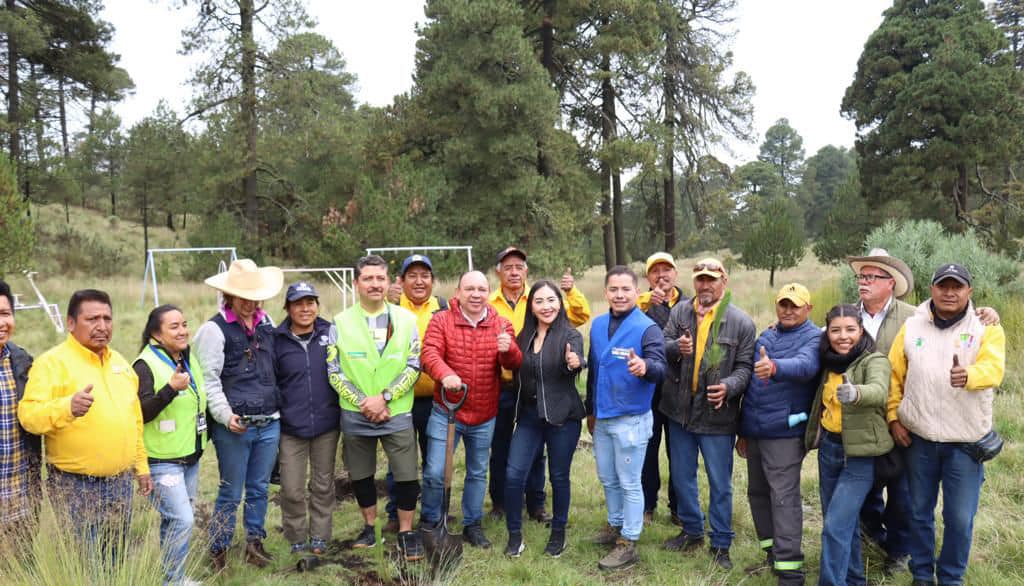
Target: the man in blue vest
pixel 626 361
pixel 373 361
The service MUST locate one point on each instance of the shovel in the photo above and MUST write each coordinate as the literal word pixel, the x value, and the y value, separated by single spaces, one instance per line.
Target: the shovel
pixel 445 548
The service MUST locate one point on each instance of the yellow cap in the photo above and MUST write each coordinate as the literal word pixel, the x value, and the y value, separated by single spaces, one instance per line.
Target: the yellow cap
pixel 711 267
pixel 660 257
pixel 796 293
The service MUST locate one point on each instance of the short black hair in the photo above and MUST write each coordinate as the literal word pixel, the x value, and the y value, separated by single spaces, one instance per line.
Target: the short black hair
pixel 370 260
pixel 620 270
pixel 82 295
pixel 5 291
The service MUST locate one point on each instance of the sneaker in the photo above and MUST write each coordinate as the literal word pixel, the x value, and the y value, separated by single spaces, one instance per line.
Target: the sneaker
pixel 623 556
pixel 762 567
pixel 540 515
pixel 219 560
pixel 684 542
pixel 515 545
pixel 720 555
pixel 608 536
pixel 366 538
pixel 411 546
pixel 255 554
pixel 390 527
pixel 299 548
pixel 895 565
pixel 318 546
pixel 556 543
pixel 474 535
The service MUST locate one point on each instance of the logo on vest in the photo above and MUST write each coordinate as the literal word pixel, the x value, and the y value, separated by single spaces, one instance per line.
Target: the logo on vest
pixel 357 355
pixel 323 340
pixel 919 342
pixel 621 353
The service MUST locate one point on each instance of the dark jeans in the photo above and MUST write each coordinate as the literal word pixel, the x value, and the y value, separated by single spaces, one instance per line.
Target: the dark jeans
pixel 530 437
pixel 842 482
pixel 97 509
pixel 887 520
pixel 504 424
pixel 651 478
pixel 421 407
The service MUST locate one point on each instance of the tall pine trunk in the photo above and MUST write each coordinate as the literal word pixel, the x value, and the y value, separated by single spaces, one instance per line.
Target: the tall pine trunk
pixel 607 135
pixel 668 182
pixel 248 116
pixel 61 102
pixel 13 95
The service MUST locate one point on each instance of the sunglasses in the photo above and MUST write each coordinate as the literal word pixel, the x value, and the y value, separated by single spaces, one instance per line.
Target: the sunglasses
pixel 707 267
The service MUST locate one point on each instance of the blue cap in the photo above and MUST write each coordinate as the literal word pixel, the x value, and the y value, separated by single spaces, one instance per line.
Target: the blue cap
pixel 300 290
pixel 413 259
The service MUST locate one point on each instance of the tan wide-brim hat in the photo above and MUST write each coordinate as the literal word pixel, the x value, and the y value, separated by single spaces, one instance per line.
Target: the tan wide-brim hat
pixel 879 258
pixel 245 280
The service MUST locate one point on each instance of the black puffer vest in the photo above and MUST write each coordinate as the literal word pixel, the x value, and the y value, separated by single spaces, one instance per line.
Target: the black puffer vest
pixel 248 375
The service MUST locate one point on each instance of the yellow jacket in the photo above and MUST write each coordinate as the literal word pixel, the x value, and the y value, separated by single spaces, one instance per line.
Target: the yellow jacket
pixel 424 385
pixel 107 440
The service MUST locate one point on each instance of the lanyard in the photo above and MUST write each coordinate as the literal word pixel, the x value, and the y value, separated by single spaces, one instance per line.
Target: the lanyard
pixel 167 360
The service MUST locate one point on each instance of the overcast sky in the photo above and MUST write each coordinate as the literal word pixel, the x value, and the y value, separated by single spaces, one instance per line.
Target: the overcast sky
pixel 801 55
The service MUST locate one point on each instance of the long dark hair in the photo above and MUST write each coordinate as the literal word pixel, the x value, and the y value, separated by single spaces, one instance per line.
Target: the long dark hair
pixel 530 322
pixel 829 358
pixel 154 321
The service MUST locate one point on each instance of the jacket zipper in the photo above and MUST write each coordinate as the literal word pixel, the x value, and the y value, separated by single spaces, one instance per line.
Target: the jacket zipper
pixel 309 385
pixel 543 398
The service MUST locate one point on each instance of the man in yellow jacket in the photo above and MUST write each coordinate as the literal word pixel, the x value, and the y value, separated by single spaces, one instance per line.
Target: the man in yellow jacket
pixel 83 397
pixel 509 300
pixel 945 366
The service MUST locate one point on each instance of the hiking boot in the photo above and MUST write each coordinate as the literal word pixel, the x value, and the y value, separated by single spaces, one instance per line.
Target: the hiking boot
pixel 623 556
pixel 219 560
pixel 762 567
pixel 366 538
pixel 608 536
pixel 515 545
pixel 540 515
pixel 411 546
pixel 318 546
pixel 474 535
pixel 390 527
pixel 684 542
pixel 255 554
pixel 556 543
pixel 895 565
pixel 720 555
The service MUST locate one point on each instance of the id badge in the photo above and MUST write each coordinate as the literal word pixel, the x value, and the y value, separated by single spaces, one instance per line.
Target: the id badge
pixel 200 422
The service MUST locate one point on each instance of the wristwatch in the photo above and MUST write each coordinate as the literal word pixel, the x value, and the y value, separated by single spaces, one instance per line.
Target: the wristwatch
pixel 387 396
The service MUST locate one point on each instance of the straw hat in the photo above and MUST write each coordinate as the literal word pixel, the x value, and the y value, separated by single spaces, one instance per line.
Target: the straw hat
pixel 245 280
pixel 879 258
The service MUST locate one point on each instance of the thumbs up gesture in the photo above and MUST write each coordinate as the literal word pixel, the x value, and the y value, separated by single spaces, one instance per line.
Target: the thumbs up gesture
pixel 957 374
pixel 658 296
pixel 567 281
pixel 82 401
pixel 179 381
pixel 686 343
pixel 637 366
pixel 847 392
pixel 764 368
pixel 394 293
pixel 572 360
pixel 504 342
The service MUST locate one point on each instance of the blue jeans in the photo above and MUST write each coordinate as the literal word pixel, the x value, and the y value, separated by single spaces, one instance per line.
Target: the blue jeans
pixel 477 439
pixel 174 491
pixel 887 520
pixel 716 449
pixel 843 482
pixel 98 510
pixel 620 444
pixel 504 425
pixel 532 434
pixel 928 465
pixel 245 461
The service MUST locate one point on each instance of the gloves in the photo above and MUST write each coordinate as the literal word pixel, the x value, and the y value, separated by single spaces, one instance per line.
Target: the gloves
pixel 847 392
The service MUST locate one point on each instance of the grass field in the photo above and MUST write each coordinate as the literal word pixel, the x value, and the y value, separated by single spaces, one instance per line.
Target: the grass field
pixel 997 555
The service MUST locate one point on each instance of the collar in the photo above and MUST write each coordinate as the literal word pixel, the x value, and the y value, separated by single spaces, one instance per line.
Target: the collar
pixel 947 323
pixel 257 318
pixel 883 311
pixel 86 353
pixel 710 313
pixel 483 316
pixel 407 303
pixel 5 352
pixel 499 295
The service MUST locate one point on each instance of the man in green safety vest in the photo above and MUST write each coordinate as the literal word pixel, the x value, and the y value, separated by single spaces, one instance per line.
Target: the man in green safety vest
pixel 373 361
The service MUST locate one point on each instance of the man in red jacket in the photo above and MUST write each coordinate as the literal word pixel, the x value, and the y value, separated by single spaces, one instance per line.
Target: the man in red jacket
pixel 469 343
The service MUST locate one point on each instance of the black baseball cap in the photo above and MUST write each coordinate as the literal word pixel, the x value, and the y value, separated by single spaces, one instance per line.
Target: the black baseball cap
pixel 952 271
pixel 300 290
pixel 508 251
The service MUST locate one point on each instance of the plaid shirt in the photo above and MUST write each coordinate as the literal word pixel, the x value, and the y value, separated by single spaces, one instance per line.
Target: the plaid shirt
pixel 14 479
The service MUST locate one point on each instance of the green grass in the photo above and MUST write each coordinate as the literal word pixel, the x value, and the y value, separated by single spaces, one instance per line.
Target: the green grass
pixel 997 554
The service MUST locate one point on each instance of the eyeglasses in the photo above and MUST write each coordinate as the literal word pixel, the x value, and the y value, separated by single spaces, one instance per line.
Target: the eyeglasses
pixel 707 267
pixel 870 278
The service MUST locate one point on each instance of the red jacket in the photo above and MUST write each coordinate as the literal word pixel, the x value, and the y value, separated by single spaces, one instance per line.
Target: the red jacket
pixel 453 346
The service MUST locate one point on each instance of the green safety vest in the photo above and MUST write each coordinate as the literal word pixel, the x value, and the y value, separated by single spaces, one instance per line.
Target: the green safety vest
pixel 166 440
pixel 369 370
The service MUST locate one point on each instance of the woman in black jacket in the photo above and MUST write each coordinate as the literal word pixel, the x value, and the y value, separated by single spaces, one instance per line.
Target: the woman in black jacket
pixel 548 411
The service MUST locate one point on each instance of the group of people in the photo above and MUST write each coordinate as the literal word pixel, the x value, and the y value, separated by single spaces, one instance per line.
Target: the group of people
pixel 892 396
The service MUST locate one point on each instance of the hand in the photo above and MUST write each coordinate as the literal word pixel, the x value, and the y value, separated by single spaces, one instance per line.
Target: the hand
pixel 591 422
pixel 394 293
pixel 572 360
pixel 658 296
pixel 81 401
pixel 686 343
pixel 637 366
pixel 847 393
pixel 145 484
pixel 957 374
pixel 373 408
pixel 741 447
pixel 235 424
pixel 899 434
pixel 504 342
pixel 179 380
pixel 716 395
pixel 452 382
pixel 764 368
pixel 988 316
pixel 567 282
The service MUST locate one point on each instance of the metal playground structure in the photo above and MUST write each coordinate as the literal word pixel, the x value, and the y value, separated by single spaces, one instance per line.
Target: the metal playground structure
pixel 342 278
pixel 50 309
pixel 149 276
pixel 467 249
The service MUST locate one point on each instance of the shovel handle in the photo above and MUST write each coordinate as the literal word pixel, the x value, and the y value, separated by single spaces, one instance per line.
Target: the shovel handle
pixel 454 406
